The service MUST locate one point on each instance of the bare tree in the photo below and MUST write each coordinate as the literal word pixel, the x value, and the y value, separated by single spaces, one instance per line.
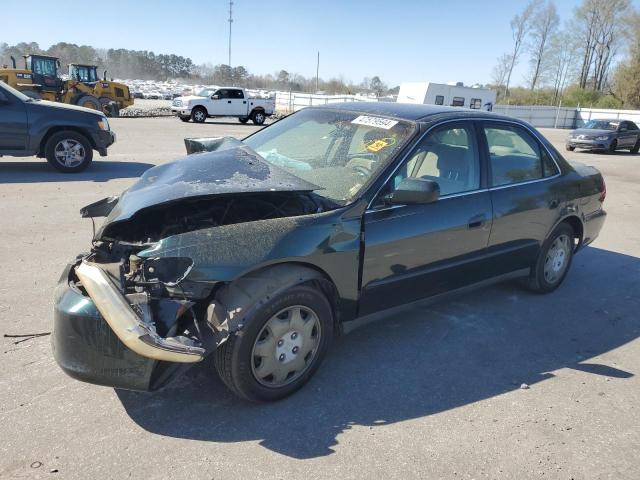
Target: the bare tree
pixel 544 25
pixel 562 56
pixel 501 70
pixel 601 25
pixel 520 27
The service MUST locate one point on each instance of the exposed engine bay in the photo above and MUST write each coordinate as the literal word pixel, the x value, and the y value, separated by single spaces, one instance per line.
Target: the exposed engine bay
pixel 155 223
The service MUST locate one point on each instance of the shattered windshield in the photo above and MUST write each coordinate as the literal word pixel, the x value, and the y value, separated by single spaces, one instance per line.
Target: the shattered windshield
pixel 336 150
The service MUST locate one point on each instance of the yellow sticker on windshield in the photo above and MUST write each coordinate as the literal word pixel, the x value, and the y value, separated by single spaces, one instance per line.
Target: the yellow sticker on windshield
pixel 377 145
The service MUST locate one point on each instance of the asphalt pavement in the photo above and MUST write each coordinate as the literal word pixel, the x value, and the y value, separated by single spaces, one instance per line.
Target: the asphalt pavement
pixel 496 383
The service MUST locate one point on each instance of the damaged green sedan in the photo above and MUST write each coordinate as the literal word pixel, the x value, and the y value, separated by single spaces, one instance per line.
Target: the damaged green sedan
pixel 261 251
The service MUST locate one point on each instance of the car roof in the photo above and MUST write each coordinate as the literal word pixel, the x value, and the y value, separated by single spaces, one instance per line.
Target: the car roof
pixel 411 111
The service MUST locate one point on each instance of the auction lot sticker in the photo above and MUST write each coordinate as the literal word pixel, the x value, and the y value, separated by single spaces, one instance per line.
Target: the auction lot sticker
pixel 378 122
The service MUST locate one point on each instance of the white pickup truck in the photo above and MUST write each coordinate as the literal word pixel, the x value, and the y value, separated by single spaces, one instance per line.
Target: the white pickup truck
pixel 223 102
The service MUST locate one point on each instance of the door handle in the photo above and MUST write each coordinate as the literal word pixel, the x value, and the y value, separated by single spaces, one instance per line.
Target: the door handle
pixel 228 101
pixel 477 221
pixel 245 102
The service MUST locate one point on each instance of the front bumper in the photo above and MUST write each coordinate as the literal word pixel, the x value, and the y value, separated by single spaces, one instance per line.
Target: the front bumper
pixel 107 351
pixel 103 139
pixel 589 144
pixel 182 111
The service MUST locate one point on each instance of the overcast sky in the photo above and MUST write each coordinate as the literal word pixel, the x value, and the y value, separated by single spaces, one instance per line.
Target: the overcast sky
pixel 440 41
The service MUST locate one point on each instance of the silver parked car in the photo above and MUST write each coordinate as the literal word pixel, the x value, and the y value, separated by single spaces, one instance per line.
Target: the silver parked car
pixel 608 135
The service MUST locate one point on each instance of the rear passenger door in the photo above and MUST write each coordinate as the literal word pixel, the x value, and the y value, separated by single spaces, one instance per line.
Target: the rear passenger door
pixel 238 102
pixel 526 202
pixel 626 137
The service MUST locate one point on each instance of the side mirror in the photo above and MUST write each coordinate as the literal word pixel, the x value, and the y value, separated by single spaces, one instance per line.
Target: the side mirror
pixel 215 97
pixel 414 191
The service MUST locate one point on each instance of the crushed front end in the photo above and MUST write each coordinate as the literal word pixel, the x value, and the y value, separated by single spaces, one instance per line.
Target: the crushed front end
pixel 118 322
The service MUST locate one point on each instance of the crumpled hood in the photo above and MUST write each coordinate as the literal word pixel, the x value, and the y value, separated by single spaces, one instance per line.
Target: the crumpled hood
pixel 231 168
pixel 592 132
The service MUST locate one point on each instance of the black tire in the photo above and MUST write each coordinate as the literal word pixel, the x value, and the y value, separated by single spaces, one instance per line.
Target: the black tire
pixel 243 119
pixel 184 118
pixel 570 148
pixel 612 147
pixel 258 117
pixel 54 147
pixel 234 359
pixel 89 101
pixel 199 114
pixel 636 147
pixel 539 281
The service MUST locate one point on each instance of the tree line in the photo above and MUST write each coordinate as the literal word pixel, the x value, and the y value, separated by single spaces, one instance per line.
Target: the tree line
pixel 145 65
pixel 591 59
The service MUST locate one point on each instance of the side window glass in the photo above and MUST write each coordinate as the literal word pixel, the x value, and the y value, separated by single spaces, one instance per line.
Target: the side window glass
pixel 514 155
pixel 439 99
pixel 238 94
pixel 223 94
pixel 549 166
pixel 448 156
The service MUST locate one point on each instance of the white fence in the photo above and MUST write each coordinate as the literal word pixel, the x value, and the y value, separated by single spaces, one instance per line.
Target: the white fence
pixel 564 117
pixel 538 116
pixel 288 102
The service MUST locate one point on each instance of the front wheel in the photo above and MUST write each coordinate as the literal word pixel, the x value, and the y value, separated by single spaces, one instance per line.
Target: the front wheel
pixel 612 147
pixel 636 147
pixel 68 152
pixel 570 148
pixel 243 119
pixel 199 115
pixel 553 260
pixel 258 117
pixel 281 346
pixel 184 118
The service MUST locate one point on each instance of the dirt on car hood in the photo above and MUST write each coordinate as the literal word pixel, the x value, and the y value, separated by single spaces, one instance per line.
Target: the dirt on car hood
pixel 228 167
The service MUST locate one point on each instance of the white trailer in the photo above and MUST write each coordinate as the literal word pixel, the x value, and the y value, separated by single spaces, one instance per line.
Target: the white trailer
pixel 445 94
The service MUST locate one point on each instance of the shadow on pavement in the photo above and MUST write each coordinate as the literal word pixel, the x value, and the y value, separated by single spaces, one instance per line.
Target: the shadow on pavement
pixel 421 362
pixel 30 171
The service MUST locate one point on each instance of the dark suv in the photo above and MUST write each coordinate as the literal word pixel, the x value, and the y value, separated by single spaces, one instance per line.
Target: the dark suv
pixel 65 135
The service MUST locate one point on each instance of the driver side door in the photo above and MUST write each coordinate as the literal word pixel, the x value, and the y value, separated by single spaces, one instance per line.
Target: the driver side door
pixel 416 251
pixel 14 126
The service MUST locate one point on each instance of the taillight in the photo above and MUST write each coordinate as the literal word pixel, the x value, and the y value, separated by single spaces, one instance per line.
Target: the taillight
pixel 603 194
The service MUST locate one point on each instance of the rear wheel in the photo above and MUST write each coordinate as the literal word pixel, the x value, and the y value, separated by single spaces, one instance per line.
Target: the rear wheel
pixel 89 101
pixel 258 117
pixel 636 147
pixel 553 260
pixel 68 151
pixel 199 115
pixel 570 148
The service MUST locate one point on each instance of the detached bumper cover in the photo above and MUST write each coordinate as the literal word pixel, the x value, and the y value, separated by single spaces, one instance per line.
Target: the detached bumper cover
pixel 102 139
pixel 124 322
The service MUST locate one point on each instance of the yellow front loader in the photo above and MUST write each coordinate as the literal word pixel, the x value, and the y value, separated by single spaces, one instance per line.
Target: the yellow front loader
pixel 39 79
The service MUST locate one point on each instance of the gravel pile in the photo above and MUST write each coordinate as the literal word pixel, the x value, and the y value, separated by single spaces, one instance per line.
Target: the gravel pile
pixel 147 108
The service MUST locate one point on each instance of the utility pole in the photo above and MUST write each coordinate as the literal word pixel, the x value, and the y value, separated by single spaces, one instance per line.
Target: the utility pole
pixel 230 22
pixel 317 71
